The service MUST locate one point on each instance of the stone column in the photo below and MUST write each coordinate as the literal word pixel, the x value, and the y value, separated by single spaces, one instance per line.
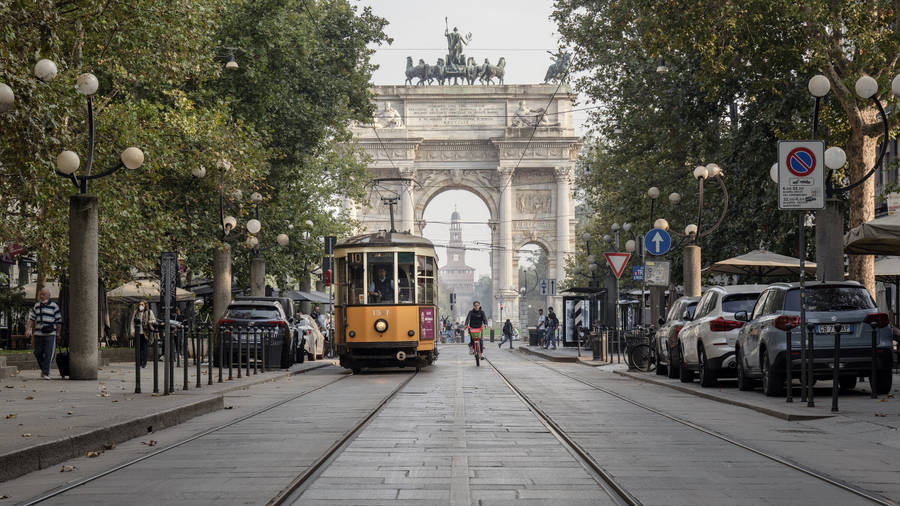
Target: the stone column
pixel 508 296
pixel 829 242
pixel 692 270
pixel 258 277
pixel 84 319
pixel 407 201
pixel 564 214
pixel 221 281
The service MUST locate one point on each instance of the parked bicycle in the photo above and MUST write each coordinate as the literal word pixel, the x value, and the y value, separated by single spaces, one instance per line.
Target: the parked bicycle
pixel 641 348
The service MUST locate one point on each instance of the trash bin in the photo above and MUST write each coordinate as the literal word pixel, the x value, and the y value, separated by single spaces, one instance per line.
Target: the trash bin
pixel 492 335
pixel 532 337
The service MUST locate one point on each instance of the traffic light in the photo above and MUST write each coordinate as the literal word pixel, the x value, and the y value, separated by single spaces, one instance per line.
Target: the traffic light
pixel 328 277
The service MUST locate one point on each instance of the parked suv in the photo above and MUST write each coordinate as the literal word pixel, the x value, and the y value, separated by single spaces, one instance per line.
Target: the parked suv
pixel 761 346
pixel 245 314
pixel 667 335
pixel 706 343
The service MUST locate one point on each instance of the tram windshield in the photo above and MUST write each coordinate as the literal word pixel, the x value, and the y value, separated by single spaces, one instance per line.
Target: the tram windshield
pixel 387 278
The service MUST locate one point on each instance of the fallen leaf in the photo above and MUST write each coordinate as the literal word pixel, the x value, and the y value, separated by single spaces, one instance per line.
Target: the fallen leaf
pixel 115 400
pixel 108 446
pixel 27 434
pixel 10 416
pixel 91 455
pixel 152 442
pixel 67 469
pixel 4 496
pixel 13 386
pixel 229 407
pixel 29 398
pixel 103 394
pixel 69 412
pixel 882 400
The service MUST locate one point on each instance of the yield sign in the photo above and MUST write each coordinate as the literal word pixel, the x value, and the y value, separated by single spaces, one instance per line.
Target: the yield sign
pixel 617 262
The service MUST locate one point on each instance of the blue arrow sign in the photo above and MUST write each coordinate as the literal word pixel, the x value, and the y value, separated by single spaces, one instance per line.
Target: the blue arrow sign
pixel 657 242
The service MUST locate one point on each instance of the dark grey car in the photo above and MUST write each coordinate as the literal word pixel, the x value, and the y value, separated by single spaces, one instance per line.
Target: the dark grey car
pixel 247 318
pixel 761 345
pixel 667 335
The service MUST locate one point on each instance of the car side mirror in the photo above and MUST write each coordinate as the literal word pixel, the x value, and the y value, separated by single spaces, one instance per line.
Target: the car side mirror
pixel 686 316
pixel 742 316
pixel 662 321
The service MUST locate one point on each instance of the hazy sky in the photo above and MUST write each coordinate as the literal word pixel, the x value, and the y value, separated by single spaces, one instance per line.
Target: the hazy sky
pixel 519 30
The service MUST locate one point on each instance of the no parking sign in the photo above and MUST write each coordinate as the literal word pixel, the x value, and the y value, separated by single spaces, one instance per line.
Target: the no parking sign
pixel 801 175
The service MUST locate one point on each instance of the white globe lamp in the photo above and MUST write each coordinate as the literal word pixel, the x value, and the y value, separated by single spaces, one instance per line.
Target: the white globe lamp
pixel 87 84
pixel 45 70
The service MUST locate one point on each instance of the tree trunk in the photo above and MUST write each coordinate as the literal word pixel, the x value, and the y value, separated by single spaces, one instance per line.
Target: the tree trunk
pixel 861 154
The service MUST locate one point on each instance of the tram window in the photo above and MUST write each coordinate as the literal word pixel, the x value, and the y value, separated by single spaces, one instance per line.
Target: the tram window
pixel 340 282
pixel 425 289
pixel 381 283
pixel 356 282
pixel 405 266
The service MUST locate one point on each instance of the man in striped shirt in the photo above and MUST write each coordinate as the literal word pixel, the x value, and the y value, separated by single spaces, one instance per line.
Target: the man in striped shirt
pixel 45 323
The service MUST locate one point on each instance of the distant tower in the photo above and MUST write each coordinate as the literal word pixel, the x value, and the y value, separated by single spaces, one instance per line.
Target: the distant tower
pixel 456 276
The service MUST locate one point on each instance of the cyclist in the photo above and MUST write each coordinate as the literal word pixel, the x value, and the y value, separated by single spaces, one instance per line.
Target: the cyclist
pixel 475 322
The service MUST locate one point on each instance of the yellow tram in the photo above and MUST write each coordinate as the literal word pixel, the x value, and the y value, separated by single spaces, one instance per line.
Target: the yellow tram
pixel 386 294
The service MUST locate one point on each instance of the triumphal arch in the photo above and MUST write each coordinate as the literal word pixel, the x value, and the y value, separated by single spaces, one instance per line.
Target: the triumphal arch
pixel 512 145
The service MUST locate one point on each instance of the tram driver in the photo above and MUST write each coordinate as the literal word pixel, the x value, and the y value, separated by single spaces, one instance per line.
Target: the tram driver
pixel 381 288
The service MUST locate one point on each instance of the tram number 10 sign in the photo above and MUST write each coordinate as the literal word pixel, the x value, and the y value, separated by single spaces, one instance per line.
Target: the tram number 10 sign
pixel 801 175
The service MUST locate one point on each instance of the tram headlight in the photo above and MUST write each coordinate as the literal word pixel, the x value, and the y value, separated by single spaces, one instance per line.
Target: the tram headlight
pixel 381 325
pixel 411 333
pixel 352 333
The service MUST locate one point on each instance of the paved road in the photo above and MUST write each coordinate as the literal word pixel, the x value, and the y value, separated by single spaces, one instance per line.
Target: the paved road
pixel 457 434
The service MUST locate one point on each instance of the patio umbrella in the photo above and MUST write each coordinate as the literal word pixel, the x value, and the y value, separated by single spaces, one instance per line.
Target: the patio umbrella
pixel 887 270
pixel 144 289
pixel 762 263
pixel 880 236
pixel 31 290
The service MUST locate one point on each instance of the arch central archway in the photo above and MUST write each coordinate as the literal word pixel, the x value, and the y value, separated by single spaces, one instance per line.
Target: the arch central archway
pixel 465 138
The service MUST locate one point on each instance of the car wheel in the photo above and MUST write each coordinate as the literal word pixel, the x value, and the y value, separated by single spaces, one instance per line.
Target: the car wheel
pixel 707 376
pixel 672 369
pixel 773 383
pixel 660 367
pixel 846 383
pixel 742 380
pixel 685 375
pixel 883 379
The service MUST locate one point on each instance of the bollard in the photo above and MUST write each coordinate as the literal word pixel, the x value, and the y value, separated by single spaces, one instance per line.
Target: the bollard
pixel 137 363
pixel 230 352
pixel 240 357
pixel 185 362
pixel 873 394
pixel 789 363
pixel 195 345
pixel 209 353
pixel 255 350
pixel 247 359
pixel 619 345
pixel 803 383
pixel 835 373
pixel 218 337
pixel 198 352
pixel 156 365
pixel 811 363
pixel 265 344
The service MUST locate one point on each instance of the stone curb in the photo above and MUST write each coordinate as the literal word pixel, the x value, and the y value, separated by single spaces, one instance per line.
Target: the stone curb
pixel 791 417
pixel 549 357
pixel 20 462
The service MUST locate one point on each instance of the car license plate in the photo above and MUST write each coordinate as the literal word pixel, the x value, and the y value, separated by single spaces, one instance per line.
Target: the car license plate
pixel 829 329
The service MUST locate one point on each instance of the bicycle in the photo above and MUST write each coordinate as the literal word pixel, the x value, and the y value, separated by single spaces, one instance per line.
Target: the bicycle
pixel 475 335
pixel 640 349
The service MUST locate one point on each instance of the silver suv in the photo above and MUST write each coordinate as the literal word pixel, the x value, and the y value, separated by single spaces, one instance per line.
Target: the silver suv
pixel 706 343
pixel 667 335
pixel 761 346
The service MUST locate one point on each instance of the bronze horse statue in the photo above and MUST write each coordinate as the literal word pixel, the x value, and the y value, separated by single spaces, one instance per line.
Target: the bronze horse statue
pixel 489 72
pixel 420 71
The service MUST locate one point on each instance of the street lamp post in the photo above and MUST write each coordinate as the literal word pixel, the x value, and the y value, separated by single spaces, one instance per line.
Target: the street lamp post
pixel 695 233
pixel 83 312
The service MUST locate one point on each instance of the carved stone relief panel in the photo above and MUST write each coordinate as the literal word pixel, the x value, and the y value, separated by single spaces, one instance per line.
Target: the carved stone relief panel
pixel 534 201
pixel 444 151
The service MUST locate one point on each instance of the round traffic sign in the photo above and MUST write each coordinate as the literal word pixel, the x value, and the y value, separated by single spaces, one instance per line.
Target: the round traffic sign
pixel 801 162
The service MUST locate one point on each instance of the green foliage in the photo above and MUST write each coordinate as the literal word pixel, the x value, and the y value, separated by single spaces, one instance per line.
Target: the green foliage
pixel 163 88
pixel 736 85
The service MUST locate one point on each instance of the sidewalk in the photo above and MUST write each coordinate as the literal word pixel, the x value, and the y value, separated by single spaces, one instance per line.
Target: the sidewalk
pixel 47 422
pixel 568 354
pixel 884 411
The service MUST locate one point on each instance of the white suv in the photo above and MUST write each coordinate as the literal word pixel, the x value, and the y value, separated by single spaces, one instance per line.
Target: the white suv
pixel 706 343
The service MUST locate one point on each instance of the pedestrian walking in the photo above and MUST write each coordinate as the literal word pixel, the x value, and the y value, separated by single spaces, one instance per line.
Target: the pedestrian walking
pixel 143 324
pixel 44 323
pixel 552 326
pixel 507 334
pixel 541 327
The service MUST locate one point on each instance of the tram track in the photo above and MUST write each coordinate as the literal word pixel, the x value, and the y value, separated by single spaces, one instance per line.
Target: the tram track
pixel 864 494
pixel 295 489
pixel 285 494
